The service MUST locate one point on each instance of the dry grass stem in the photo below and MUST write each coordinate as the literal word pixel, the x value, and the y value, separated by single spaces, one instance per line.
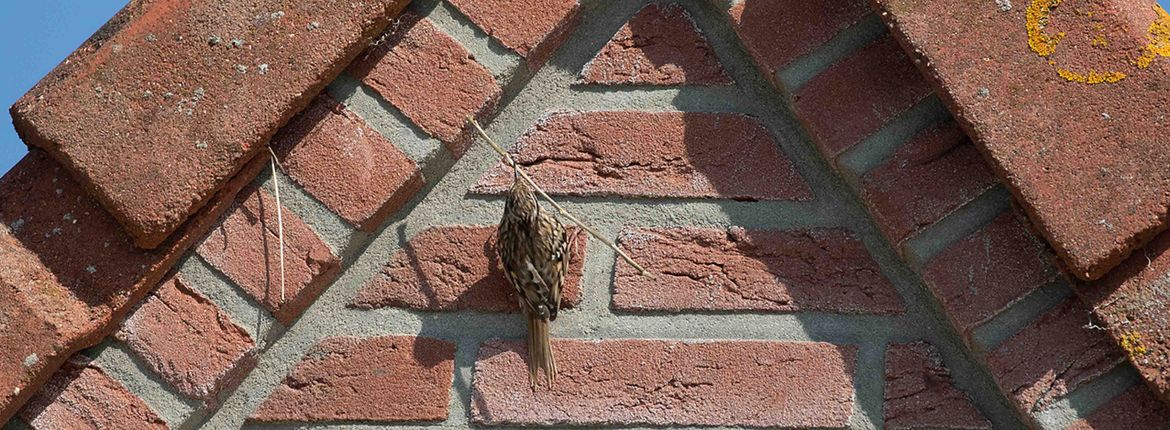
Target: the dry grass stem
pixel 279 219
pixel 512 163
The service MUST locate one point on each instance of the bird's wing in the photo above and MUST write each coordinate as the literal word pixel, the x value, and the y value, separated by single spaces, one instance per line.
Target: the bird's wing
pixel 552 247
pixel 521 255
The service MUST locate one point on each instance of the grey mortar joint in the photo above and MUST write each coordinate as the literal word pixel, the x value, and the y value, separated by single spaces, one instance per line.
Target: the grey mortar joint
pixel 924 244
pixel 229 298
pixel 331 228
pixel 876 149
pixel 803 69
pixel 977 382
pixel 504 64
pixel 1019 314
pixel 1089 396
pixel 121 365
pixel 386 119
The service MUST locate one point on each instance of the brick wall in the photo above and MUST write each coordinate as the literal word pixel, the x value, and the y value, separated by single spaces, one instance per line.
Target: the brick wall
pixel 935 200
pixel 829 250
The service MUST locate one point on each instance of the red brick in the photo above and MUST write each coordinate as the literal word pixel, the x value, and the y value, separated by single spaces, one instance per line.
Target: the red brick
pixel 652 154
pixel 1086 161
pixel 934 173
pixel 30 342
pixel 1138 408
pixel 158 110
pixel 345 164
pixel 456 268
pixel 246 248
pixel 1133 302
pixel 920 393
pixel 1051 357
pixel 776 32
pixel 979 276
pixel 389 378
pixel 532 28
pixel 659 383
pixel 659 46
pixel 759 270
pixel 858 95
pixel 68 272
pixel 185 338
pixel 81 396
pixel 431 78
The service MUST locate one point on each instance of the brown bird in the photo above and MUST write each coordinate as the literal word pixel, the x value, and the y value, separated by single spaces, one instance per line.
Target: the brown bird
pixel 534 250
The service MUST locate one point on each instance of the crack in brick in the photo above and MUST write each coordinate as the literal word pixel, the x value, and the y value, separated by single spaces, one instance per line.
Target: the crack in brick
pixel 680 155
pixel 776 270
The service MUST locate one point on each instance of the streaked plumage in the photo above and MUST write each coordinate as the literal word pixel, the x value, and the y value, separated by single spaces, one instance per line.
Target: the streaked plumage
pixel 534 250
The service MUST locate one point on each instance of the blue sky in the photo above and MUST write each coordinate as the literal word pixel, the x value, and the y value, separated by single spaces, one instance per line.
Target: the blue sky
pixel 35 36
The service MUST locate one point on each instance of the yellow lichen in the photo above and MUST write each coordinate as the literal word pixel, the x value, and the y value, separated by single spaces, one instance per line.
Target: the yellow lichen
pixel 1159 45
pixel 1093 77
pixel 1036 19
pixel 1039 13
pixel 1132 344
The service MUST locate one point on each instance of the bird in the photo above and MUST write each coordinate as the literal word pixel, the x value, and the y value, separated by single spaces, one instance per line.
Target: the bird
pixel 534 250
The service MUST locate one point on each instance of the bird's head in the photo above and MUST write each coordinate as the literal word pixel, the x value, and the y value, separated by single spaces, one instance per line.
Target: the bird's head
pixel 521 201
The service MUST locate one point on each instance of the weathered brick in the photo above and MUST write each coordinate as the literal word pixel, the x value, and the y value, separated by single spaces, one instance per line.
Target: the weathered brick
pixel 659 383
pixel 652 154
pixel 188 341
pixel 759 270
pixel 389 378
pixel 246 248
pixel 1084 156
pixel 153 142
pixel 920 394
pixel 82 396
pixel 532 28
pixel 659 46
pixel 858 95
pixel 1133 302
pixel 1138 408
pixel 979 276
pixel 776 32
pixel 30 354
pixel 345 164
pixel 431 78
pixel 1051 357
pixel 455 268
pixel 934 173
pixel 68 272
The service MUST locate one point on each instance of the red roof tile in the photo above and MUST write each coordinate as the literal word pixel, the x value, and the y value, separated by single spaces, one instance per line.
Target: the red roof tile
pixel 1069 104
pixel 170 99
pixel 1133 301
pixel 68 272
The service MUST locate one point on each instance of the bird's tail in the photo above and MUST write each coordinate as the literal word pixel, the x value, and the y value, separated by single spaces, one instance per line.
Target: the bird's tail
pixel 540 354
